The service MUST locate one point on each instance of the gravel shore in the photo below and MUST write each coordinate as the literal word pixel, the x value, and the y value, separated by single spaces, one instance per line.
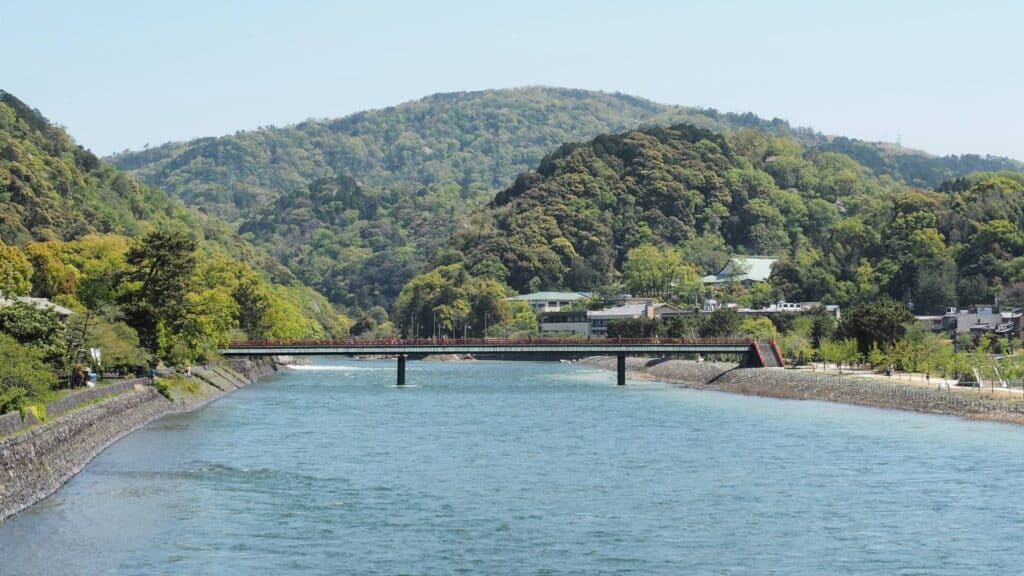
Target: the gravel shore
pixel 797 385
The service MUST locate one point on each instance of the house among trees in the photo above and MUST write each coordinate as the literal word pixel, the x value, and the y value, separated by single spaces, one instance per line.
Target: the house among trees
pixel 982 319
pixel 549 301
pixel 743 269
pixel 595 322
pixel 780 307
pixel 599 319
pixel 564 322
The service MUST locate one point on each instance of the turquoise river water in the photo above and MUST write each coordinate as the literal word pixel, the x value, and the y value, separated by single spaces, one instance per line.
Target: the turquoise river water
pixel 531 468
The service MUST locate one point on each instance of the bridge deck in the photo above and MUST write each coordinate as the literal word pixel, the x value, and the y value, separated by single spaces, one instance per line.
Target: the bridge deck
pixel 753 351
pixel 608 346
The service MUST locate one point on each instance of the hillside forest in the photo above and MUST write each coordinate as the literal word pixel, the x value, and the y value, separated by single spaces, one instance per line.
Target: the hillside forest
pixel 356 206
pixel 147 279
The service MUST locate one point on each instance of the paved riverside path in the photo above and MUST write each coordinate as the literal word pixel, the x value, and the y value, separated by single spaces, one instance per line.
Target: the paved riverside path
pixel 752 352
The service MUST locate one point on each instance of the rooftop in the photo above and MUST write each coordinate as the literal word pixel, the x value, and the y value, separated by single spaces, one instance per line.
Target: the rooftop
pixel 40 303
pixel 627 310
pixel 552 296
pixel 742 269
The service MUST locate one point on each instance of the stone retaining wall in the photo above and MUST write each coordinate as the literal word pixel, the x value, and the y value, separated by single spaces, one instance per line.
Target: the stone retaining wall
pixel 13 422
pixel 76 399
pixel 39 461
pixel 36 462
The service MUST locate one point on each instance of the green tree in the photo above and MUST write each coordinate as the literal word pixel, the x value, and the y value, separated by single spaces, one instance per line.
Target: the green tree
pixel 253 307
pixel 50 276
pixel 158 276
pixel 823 325
pixel 650 270
pixel 641 327
pixel 209 316
pixel 721 323
pixel 24 374
pixel 881 322
pixel 40 328
pixel 758 327
pixel 118 342
pixel 15 271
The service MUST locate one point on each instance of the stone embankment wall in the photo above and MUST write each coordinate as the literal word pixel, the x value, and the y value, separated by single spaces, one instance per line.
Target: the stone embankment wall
pixel 13 422
pixel 791 384
pixel 39 459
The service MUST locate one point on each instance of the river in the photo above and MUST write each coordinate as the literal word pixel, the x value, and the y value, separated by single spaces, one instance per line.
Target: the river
pixel 531 468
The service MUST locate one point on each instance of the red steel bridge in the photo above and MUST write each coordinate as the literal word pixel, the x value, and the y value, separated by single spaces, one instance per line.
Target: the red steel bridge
pixel 754 353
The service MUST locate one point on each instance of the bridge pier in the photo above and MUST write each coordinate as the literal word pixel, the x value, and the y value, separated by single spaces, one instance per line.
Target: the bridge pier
pixel 620 371
pixel 401 370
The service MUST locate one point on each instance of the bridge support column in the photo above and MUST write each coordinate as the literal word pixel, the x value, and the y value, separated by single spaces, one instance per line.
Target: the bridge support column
pixel 621 370
pixel 401 370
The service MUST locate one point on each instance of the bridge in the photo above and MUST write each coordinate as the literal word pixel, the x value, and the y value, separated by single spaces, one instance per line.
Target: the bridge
pixel 754 353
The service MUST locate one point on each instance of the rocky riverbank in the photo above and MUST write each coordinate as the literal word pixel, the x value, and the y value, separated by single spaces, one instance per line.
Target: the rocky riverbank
pixel 795 385
pixel 40 458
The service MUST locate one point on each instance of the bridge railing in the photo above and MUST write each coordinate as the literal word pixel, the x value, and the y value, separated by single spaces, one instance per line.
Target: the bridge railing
pixel 399 342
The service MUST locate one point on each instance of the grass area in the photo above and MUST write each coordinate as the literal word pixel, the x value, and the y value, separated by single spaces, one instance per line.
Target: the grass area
pixel 177 386
pixel 59 393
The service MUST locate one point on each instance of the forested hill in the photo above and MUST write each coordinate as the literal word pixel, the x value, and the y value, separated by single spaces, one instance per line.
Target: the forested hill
pixel 356 206
pixel 52 188
pixel 70 224
pixel 912 166
pixel 467 144
pixel 843 234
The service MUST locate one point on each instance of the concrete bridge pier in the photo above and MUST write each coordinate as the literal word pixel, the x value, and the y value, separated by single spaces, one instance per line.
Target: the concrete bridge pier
pixel 621 370
pixel 401 370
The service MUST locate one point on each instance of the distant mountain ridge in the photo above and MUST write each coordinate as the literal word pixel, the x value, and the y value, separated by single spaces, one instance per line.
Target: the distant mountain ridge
pixel 477 140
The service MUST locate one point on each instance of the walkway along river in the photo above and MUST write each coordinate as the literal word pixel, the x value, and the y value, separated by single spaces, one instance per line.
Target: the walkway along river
pixel 528 468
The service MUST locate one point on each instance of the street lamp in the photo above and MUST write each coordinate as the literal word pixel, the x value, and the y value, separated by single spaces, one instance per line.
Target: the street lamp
pixel 487 316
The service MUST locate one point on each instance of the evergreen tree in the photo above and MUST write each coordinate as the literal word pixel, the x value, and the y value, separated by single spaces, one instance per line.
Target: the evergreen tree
pixel 158 275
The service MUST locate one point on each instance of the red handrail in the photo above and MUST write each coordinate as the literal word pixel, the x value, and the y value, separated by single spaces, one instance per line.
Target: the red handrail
pixel 396 342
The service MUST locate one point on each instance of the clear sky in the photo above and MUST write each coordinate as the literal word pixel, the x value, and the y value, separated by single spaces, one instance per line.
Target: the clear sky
pixel 946 76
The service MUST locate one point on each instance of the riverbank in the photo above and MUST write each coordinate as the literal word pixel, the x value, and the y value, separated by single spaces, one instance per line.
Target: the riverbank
pixel 797 385
pixel 37 458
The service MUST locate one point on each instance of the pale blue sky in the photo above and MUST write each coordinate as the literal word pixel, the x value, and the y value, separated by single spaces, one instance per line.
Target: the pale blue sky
pixel 947 76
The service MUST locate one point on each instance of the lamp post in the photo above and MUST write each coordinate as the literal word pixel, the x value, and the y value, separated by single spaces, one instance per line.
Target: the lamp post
pixel 487 316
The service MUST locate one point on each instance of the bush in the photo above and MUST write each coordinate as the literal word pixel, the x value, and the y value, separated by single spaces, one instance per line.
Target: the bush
pixel 24 375
pixel 163 389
